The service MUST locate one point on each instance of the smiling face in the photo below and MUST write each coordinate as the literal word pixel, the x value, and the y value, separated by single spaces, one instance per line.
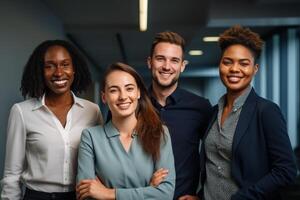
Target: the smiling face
pixel 166 64
pixel 237 68
pixel 121 94
pixel 58 71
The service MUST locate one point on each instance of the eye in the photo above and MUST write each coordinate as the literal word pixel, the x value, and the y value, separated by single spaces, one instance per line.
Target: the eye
pixel 244 64
pixel 130 89
pixel 226 62
pixel 160 59
pixel 49 65
pixel 175 61
pixel 66 65
pixel 112 91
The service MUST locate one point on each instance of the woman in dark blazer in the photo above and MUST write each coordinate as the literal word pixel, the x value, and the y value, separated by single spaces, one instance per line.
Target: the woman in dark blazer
pixel 246 151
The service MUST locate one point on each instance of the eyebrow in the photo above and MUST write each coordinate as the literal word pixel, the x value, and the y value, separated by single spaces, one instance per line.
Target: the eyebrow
pixel 162 56
pixel 127 85
pixel 243 59
pixel 51 61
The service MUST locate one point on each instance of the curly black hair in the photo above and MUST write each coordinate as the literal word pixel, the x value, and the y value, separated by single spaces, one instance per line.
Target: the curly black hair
pixel 243 36
pixel 33 84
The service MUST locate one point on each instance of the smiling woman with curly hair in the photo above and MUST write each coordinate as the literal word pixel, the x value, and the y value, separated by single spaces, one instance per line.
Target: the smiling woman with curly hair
pixel 246 152
pixel 44 131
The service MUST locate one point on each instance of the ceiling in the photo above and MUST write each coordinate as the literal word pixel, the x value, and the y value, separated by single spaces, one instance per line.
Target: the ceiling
pixel 108 30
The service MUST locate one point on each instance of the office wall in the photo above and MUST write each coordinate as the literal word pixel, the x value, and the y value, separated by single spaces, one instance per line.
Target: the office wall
pixel 24 24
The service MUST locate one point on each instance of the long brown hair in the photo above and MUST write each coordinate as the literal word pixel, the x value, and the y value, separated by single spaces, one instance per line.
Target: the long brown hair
pixel 149 126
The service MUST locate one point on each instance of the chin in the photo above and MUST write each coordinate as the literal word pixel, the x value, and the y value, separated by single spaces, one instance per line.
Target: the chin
pixel 62 91
pixel 125 113
pixel 236 89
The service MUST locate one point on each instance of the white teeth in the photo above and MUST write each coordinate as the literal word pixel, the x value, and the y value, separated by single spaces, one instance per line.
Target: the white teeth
pixel 61 82
pixel 234 79
pixel 165 74
pixel 123 105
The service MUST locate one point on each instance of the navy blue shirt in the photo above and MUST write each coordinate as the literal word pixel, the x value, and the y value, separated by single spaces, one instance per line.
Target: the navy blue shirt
pixel 186 115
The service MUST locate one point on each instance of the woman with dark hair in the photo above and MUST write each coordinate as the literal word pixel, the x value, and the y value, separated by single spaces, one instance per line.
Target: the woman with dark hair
pixel 44 131
pixel 246 152
pixel 117 160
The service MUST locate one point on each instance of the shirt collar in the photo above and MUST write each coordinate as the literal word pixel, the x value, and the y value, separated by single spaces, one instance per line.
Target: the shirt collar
pixel 172 99
pixel 110 130
pixel 238 102
pixel 41 102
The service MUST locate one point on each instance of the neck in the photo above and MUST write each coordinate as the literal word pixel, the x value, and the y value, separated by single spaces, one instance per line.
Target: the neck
pixel 55 100
pixel 231 97
pixel 125 125
pixel 161 93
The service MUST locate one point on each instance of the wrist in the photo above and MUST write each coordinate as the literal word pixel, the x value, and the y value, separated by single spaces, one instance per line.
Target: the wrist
pixel 111 194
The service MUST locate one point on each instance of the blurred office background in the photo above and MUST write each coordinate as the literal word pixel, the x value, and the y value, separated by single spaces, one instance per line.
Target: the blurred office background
pixel 108 31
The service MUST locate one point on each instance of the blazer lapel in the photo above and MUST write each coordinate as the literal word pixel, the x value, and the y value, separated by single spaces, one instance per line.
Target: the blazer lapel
pixel 214 116
pixel 244 119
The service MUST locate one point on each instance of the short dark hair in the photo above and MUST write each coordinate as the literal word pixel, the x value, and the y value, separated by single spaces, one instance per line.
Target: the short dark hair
pixel 243 36
pixel 33 84
pixel 169 37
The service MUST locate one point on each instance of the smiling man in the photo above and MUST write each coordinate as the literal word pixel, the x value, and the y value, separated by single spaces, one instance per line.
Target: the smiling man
pixel 185 114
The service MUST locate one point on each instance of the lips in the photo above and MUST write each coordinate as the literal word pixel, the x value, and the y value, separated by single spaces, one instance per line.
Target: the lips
pixel 59 83
pixel 165 74
pixel 123 106
pixel 234 79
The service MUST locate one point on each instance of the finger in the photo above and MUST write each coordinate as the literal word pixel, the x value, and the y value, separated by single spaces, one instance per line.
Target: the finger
pixel 82 182
pixel 81 192
pixel 83 186
pixel 158 171
pixel 161 176
pixel 84 196
pixel 164 173
pixel 161 173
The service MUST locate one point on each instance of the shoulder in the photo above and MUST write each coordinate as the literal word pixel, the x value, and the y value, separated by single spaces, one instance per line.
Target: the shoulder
pixel 94 133
pixel 166 130
pixel 28 104
pixel 167 136
pixel 87 103
pixel 268 111
pixel 187 94
pixel 88 108
pixel 265 105
pixel 192 97
pixel 94 130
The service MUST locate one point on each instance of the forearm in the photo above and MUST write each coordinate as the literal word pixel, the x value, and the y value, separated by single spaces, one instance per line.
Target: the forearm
pixel 145 193
pixel 11 188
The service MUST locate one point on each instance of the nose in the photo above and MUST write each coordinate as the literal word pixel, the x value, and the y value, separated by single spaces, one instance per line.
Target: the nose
pixel 234 67
pixel 58 71
pixel 167 65
pixel 122 95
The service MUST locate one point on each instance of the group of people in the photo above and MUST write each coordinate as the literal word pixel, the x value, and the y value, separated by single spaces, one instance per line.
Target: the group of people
pixel 58 146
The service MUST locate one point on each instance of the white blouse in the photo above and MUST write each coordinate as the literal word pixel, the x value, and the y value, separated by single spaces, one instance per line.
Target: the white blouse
pixel 40 152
